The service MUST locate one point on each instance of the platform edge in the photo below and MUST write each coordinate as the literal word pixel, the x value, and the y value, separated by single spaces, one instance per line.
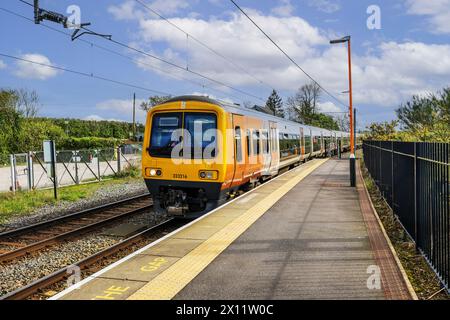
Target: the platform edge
pixel 411 290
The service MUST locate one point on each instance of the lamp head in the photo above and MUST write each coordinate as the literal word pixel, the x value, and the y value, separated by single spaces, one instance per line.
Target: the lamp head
pixel 342 40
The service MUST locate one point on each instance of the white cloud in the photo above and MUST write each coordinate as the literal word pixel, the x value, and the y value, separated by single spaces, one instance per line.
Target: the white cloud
pixel 130 9
pixel 122 109
pixel 326 6
pixel 2 65
pixel 169 6
pixel 95 117
pixel 438 12
pixel 385 76
pixel 125 11
pixel 328 107
pixel 28 70
pixel 285 8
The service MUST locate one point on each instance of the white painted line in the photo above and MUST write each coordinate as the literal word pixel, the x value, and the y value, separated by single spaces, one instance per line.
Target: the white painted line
pixel 247 199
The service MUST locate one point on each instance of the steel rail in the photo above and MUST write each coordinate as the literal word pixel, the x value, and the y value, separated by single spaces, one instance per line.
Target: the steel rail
pixel 61 274
pixel 18 231
pixel 20 252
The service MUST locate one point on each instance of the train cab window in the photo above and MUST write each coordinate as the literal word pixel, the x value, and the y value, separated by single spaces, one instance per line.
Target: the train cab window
pixel 202 128
pixel 238 146
pixel 163 126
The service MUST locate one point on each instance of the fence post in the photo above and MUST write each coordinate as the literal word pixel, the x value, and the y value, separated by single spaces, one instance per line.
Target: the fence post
pixel 30 171
pixel 379 167
pixel 75 155
pixel 12 159
pixel 119 155
pixel 97 153
pixel 416 229
pixel 392 175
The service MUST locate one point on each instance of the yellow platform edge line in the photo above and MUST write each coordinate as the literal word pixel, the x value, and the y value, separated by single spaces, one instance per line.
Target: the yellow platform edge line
pixel 170 282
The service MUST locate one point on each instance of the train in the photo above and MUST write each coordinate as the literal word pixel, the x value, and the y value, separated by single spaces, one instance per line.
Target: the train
pixel 199 152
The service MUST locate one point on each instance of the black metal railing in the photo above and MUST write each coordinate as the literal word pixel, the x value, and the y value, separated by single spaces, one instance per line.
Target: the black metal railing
pixel 414 179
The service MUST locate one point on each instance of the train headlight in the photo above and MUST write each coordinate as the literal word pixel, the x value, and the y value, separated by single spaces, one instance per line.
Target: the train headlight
pixel 151 172
pixel 208 175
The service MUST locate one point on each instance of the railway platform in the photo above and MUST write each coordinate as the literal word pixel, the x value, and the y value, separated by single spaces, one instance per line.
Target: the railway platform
pixel 304 235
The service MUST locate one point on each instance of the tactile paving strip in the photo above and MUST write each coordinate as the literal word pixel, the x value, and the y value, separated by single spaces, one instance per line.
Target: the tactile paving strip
pixel 393 281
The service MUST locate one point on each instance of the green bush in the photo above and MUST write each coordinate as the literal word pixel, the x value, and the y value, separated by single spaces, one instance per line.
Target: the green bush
pixel 130 171
pixel 89 143
pixel 34 132
pixel 88 128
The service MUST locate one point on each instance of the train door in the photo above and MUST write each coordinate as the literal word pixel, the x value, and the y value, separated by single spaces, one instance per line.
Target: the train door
pixel 322 143
pixel 274 148
pixel 265 148
pixel 302 144
pixel 239 154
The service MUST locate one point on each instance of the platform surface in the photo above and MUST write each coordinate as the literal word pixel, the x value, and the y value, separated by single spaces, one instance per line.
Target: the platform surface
pixel 300 236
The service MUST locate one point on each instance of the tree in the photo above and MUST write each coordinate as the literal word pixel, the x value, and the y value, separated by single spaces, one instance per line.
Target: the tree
pixel 427 118
pixel 343 122
pixel 323 121
pixel 442 101
pixel 27 103
pixel 153 101
pixel 382 131
pixel 303 108
pixel 275 104
pixel 303 105
pixel 10 123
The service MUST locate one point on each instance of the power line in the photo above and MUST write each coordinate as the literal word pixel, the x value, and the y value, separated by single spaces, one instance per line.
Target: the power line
pixel 178 77
pixel 172 64
pixel 237 66
pixel 85 74
pixel 284 52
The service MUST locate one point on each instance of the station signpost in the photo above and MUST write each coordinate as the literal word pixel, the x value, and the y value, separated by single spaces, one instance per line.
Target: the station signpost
pixel 50 158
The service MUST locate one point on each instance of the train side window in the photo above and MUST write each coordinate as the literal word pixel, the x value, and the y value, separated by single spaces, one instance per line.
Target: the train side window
pixel 249 151
pixel 256 142
pixel 238 144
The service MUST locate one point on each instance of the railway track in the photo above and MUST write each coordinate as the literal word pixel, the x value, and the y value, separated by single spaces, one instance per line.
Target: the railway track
pixel 28 240
pixel 35 287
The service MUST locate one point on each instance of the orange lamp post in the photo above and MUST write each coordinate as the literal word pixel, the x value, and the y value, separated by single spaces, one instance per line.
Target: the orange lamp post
pixel 347 40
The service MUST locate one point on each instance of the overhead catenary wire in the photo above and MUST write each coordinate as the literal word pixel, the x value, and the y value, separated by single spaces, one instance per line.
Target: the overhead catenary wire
pixel 166 72
pixel 85 74
pixel 284 52
pixel 171 63
pixel 203 44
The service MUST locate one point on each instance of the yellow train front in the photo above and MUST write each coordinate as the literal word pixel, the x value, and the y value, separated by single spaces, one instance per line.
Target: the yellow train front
pixel 199 152
pixel 183 176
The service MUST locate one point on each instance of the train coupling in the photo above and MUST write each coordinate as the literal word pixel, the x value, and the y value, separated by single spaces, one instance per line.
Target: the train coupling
pixel 176 203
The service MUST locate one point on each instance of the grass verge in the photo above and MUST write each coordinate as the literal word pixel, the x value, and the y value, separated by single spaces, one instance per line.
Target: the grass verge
pixel 422 277
pixel 24 202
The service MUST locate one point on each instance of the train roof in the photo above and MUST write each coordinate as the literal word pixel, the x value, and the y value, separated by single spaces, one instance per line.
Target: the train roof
pixel 239 109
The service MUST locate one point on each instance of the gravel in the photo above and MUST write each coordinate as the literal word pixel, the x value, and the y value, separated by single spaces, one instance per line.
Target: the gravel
pixel 105 195
pixel 19 274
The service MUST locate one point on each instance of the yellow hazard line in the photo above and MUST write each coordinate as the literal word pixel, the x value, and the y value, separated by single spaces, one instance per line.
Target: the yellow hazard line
pixel 166 285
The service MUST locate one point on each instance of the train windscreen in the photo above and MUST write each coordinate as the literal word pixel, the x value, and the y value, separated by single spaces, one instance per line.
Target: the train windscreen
pixel 198 134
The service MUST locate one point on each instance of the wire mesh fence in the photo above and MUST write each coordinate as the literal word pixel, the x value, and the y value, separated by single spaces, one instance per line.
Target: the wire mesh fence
pixel 414 179
pixel 29 171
